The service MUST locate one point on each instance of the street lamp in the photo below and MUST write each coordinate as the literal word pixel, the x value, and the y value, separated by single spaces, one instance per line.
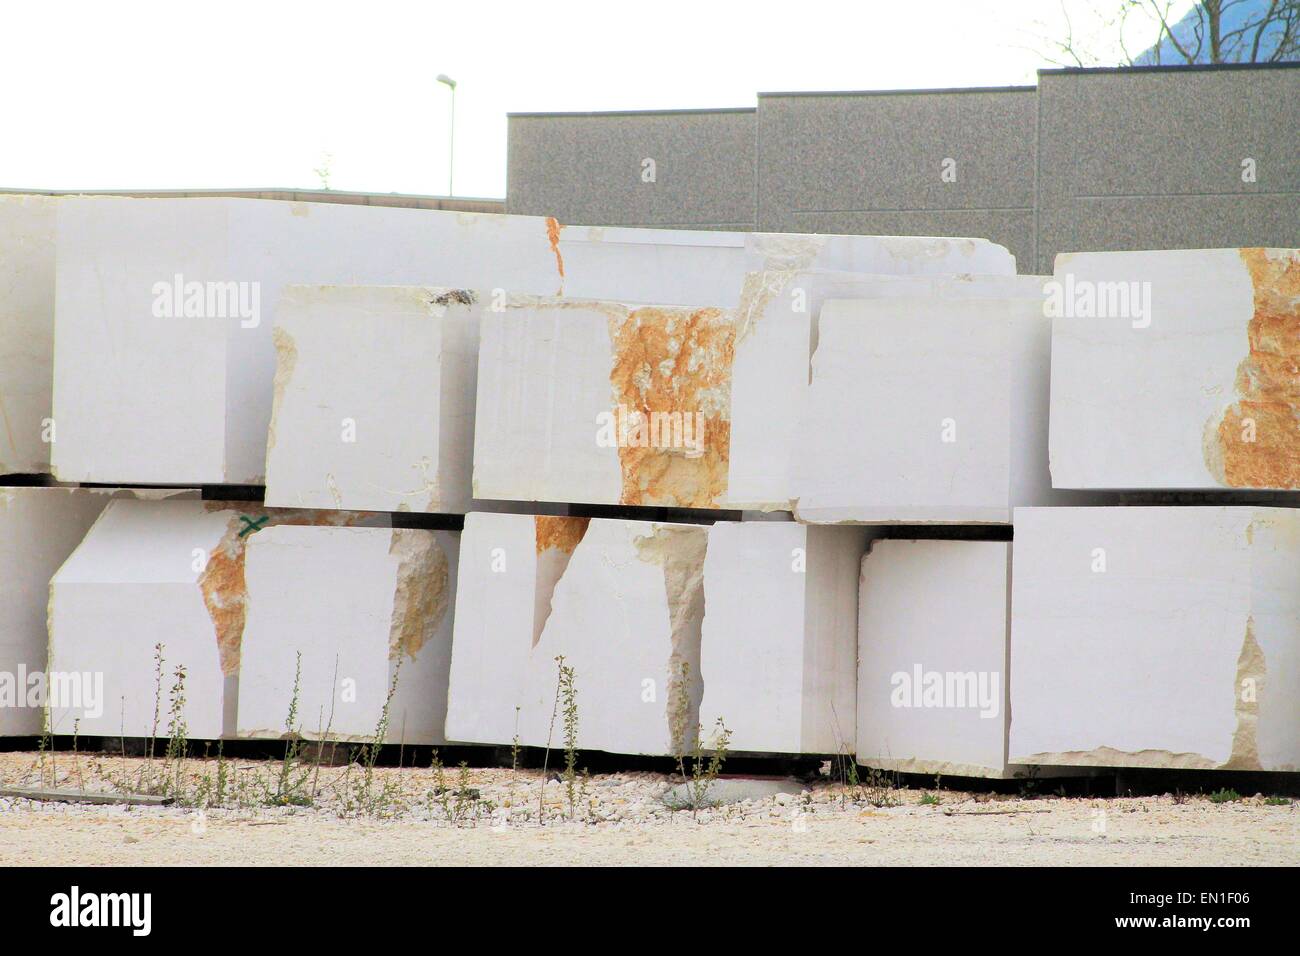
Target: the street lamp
pixel 448 82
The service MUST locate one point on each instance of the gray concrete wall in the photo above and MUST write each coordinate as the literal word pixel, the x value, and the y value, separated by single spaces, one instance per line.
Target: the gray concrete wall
pixel 1152 159
pixel 874 162
pixel 587 168
pixel 1088 160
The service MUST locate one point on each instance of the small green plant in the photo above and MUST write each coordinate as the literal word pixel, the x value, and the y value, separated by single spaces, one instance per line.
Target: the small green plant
pixel 1277 802
pixel 292 778
pixel 147 769
pixel 679 715
pixel 706 764
pixel 365 797
pixel 569 705
pixel 514 744
pixel 1224 795
pixel 929 800
pixel 223 774
pixel 460 804
pixel 46 747
pixel 550 733
pixel 880 788
pixel 177 739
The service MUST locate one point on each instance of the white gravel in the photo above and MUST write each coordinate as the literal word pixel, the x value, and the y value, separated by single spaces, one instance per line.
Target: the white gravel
pixel 619 819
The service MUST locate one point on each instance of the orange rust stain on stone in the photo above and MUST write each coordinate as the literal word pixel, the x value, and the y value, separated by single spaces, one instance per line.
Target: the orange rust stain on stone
pixel 553 228
pixel 222 585
pixel 672 377
pixel 561 533
pixel 1268 381
pixel 225 595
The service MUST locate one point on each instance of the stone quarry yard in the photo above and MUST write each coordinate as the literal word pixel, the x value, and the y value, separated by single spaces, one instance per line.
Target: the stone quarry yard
pixel 475 816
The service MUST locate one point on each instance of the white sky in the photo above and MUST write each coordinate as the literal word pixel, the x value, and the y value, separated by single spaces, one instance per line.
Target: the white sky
pixel 243 94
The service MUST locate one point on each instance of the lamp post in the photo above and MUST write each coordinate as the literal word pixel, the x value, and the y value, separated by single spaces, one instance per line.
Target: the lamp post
pixel 448 82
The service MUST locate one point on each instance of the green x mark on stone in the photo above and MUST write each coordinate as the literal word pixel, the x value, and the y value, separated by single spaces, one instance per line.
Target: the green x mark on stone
pixel 251 524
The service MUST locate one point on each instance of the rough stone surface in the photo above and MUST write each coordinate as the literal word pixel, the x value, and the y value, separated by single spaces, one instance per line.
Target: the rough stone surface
pixel 1177 370
pixel 779 639
pixel 932 657
pixel 1157 637
pixel 26 333
pixel 369 610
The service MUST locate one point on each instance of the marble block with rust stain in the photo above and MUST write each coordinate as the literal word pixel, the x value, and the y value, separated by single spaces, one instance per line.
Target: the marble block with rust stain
pixel 352 614
pixel 779 642
pixel 161 572
pixel 928 407
pixel 932 658
pixel 164 355
pixel 26 333
pixel 39 529
pixel 1177 370
pixel 605 402
pixel 621 601
pixel 1156 637
pixel 374 398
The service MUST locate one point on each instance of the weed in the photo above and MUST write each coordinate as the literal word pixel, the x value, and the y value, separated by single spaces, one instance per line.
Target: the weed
pixel 1277 802
pixel 704 772
pixel 291 779
pixel 177 738
pixel 880 788
pixel 546 756
pixel 569 704
pixel 1224 795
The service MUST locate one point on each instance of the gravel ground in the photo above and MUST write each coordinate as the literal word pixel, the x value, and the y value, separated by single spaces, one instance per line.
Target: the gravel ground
pixel 621 820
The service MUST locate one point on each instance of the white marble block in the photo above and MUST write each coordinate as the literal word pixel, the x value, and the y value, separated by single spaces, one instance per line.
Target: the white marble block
pixel 1176 370
pixel 1156 637
pixel 779 641
pixel 780 310
pixel 370 612
pixel 39 529
pixel 621 601
pixel 924 409
pixel 160 572
pixel 932 657
pixel 374 398
pixel 26 333
pixel 134 582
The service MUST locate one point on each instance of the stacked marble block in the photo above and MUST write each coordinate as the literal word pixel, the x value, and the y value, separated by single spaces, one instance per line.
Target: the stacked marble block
pixel 778 631
pixel 219 342
pixel 1164 636
pixel 1152 637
